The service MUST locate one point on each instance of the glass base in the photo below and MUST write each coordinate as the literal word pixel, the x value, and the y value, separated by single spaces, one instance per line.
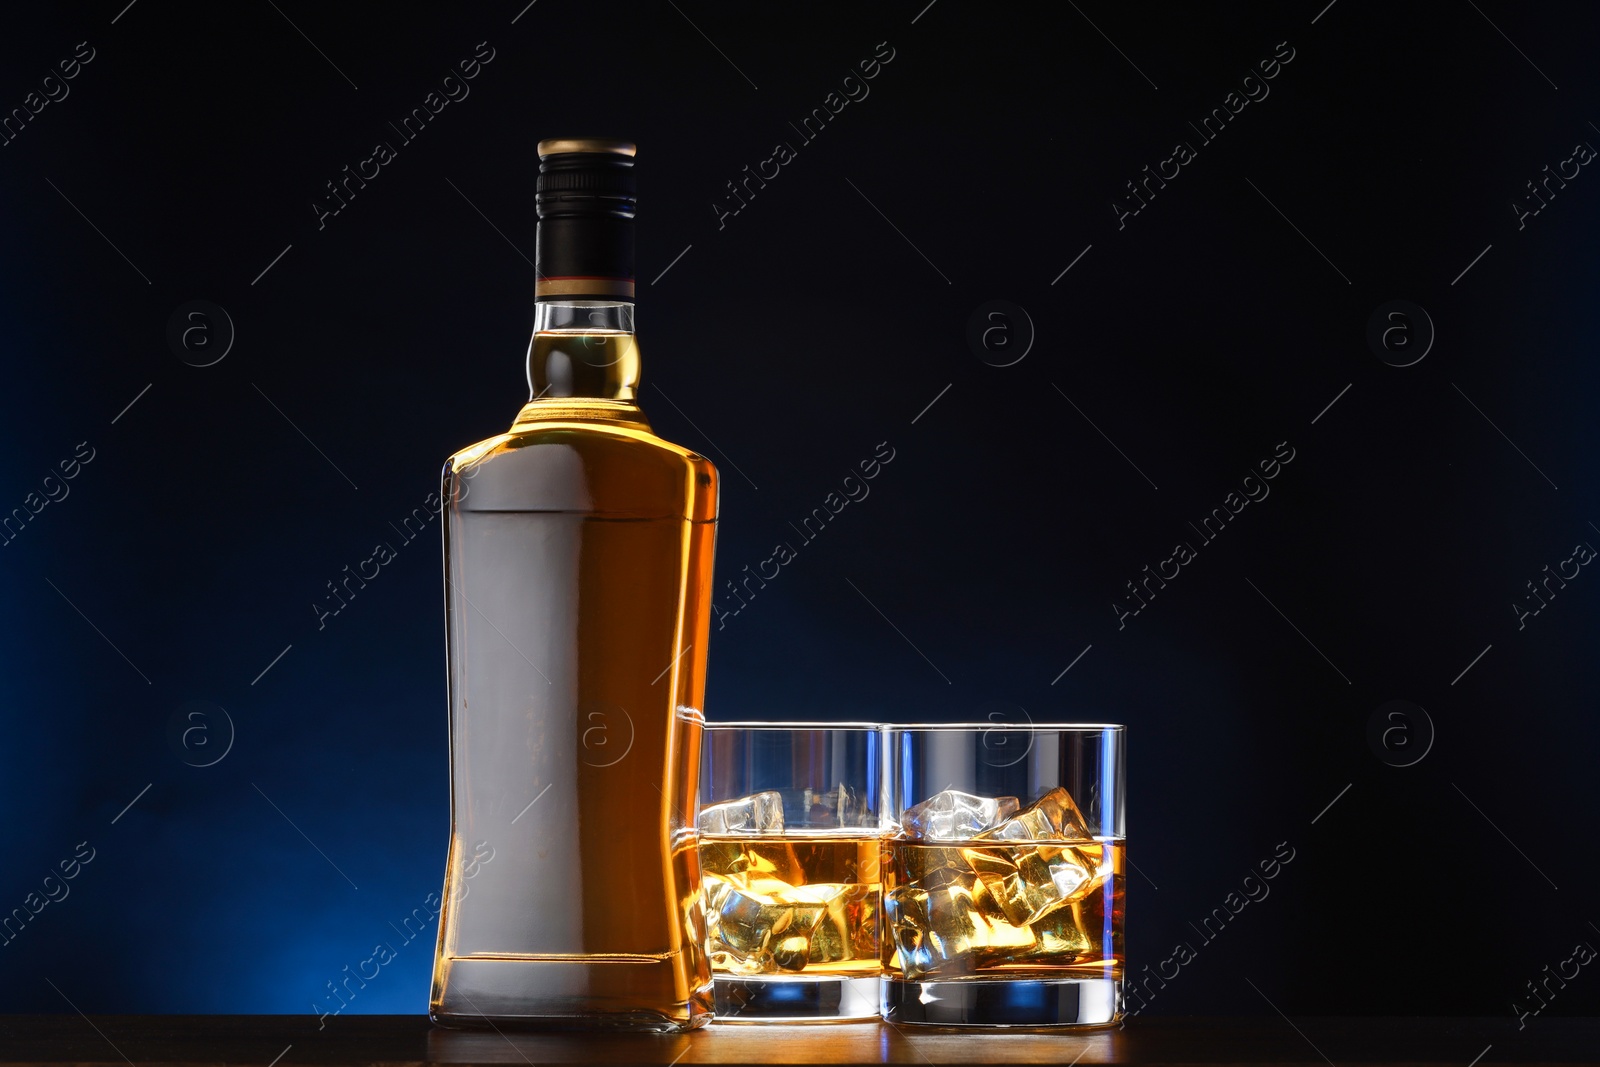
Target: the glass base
pixel 1003 1002
pixel 795 998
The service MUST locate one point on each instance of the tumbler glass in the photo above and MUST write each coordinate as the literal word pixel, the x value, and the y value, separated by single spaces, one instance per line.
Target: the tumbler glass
pixel 789 852
pixel 1003 874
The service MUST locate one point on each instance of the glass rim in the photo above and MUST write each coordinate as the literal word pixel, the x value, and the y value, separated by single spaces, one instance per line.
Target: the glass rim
pixel 793 726
pixel 990 727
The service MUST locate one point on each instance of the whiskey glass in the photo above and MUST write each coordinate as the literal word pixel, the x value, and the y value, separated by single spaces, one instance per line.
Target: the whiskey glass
pixel 789 850
pixel 1002 867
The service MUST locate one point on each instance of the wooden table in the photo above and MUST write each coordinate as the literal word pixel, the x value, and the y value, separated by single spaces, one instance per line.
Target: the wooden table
pixel 294 1040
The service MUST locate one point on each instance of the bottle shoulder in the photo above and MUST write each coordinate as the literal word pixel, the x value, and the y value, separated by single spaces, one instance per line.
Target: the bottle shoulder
pixel 600 466
pixel 634 439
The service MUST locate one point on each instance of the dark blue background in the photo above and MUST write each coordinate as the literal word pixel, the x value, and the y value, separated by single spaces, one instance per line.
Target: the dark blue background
pixel 797 338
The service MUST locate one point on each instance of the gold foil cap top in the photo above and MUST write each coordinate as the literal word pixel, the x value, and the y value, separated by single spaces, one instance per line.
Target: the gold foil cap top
pixel 557 146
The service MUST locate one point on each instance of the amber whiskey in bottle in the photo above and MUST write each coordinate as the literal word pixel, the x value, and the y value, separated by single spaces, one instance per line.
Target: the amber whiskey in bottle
pixel 578 552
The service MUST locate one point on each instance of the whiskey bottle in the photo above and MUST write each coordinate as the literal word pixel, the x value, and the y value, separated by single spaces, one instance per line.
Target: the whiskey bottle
pixel 577 552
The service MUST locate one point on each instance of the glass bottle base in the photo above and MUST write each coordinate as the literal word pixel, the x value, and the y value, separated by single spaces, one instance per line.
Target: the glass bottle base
pixel 1003 1002
pixel 796 998
pixel 544 994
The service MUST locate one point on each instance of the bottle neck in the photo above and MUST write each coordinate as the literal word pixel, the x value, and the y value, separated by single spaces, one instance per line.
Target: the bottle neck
pixel 583 350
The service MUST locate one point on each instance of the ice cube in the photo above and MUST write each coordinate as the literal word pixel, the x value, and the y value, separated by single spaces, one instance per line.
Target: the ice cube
pixel 758 924
pixel 812 933
pixel 848 929
pixel 929 868
pixel 792 953
pixel 930 929
pixel 952 815
pixel 736 919
pixel 952 930
pixel 1062 937
pixel 1069 875
pixel 1026 882
pixel 759 813
pixel 1053 817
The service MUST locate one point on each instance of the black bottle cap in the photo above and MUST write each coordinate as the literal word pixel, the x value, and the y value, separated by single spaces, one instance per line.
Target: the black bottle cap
pixel 585 199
